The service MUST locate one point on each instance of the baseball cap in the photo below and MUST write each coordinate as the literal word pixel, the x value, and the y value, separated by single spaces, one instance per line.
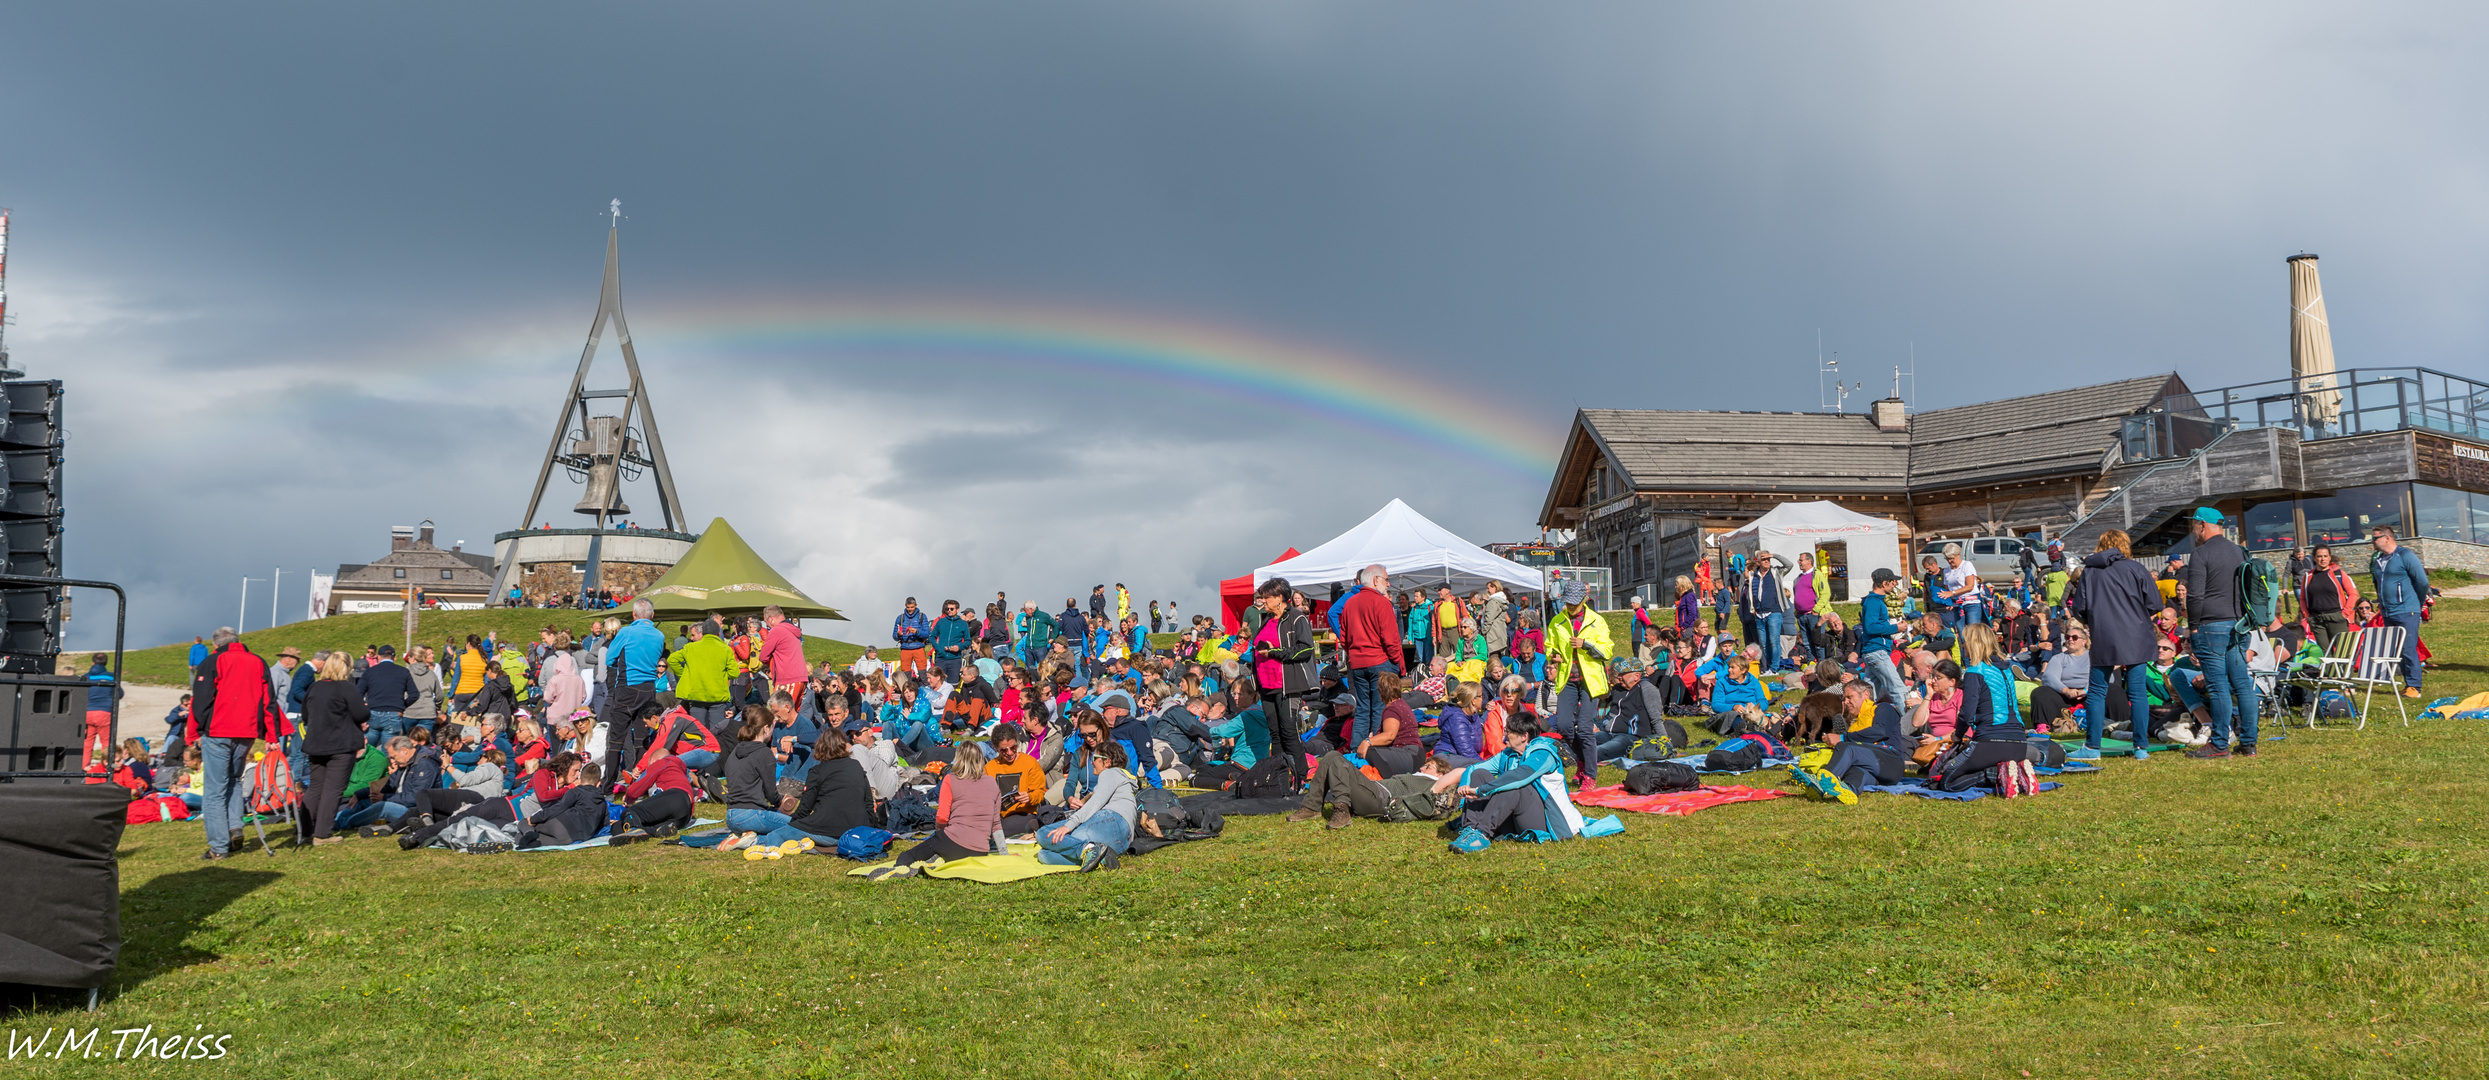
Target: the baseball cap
pixel 1883 574
pixel 2208 515
pixel 1116 699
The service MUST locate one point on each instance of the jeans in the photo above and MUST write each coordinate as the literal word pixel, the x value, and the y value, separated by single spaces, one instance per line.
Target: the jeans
pixel 1809 625
pixel 1575 721
pixel 1768 625
pixel 2229 691
pixel 709 713
pixel 1615 746
pixel 1969 615
pixel 784 833
pixel 224 794
pixel 755 821
pixel 1880 670
pixel 2138 702
pixel 1109 830
pixel 916 738
pixel 295 759
pixel 2411 646
pixel 1369 702
pixel 382 727
pixel 695 760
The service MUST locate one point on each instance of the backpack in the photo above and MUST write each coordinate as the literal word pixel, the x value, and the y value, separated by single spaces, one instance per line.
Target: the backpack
pixel 1652 749
pixel 2047 754
pixel 2257 586
pixel 2334 705
pixel 1268 778
pixel 1653 777
pixel 863 843
pixel 1735 756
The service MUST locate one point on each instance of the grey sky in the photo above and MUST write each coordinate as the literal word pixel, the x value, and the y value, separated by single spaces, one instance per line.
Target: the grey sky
pixel 312 271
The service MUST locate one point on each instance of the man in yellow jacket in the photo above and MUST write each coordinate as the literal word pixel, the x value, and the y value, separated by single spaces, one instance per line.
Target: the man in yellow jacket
pixel 1577 656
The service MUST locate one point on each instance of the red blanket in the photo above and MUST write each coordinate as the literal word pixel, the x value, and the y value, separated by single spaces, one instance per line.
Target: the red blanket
pixel 1680 803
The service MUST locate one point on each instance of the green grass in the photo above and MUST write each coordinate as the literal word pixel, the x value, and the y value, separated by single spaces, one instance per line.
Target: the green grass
pixel 169 665
pixel 2316 911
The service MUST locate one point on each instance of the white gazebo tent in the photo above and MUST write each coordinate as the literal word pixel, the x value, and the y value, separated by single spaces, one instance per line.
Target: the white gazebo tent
pixel 1413 550
pixel 1794 528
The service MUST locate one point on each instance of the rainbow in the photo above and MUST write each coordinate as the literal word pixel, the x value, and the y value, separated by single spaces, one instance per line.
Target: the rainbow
pixel 1327 384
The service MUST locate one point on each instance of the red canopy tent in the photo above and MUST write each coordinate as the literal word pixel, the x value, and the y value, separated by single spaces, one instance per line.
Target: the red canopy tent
pixel 1236 594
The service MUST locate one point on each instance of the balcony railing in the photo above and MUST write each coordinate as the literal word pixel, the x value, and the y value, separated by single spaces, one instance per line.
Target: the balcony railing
pixel 2356 401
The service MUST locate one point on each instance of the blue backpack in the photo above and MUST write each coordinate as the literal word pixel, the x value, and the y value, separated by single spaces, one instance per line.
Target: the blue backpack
pixel 863 843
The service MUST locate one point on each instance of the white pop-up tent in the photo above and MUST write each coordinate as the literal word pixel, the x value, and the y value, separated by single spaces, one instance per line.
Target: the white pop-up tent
pixel 1413 550
pixel 1803 527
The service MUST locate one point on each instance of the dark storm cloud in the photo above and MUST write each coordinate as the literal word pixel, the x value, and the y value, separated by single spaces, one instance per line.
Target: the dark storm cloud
pixel 317 271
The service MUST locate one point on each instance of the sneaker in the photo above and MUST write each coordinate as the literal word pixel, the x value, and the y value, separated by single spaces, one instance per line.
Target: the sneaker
pixel 1092 855
pixel 2247 750
pixel 211 855
pixel 2030 779
pixel 1590 781
pixel 1339 818
pixel 758 851
pixel 661 830
pixel 406 842
pixel 1470 842
pixel 377 828
pixel 2411 691
pixel 1303 814
pixel 2142 754
pixel 2007 780
pixel 2208 752
pixel 2083 753
pixel 797 846
pixel 1827 785
pixel 738 841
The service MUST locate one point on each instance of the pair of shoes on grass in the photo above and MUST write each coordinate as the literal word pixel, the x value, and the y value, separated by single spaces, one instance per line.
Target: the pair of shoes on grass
pixel 1826 784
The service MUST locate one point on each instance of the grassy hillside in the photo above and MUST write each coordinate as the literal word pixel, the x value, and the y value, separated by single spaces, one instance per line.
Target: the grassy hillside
pixel 2314 911
pixel 169 665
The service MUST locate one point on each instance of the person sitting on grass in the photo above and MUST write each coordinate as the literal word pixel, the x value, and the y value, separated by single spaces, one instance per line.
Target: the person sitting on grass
pixel 967 817
pixel 1518 794
pixel 578 815
pixel 1423 794
pixel 190 782
pixel 442 807
pixel 1939 712
pixel 1737 686
pixel 1991 715
pixel 1459 727
pixel 1393 747
pixel 660 797
pixel 414 768
pixel 1028 789
pixel 683 736
pixel 1099 828
pixel 837 797
pixel 130 768
pixel 486 778
pixel 533 749
pixel 754 805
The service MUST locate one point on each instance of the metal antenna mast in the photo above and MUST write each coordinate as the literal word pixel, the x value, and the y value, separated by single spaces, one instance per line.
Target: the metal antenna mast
pixel 603 451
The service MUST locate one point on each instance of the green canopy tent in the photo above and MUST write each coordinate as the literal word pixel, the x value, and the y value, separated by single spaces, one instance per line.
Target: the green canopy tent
pixel 723 574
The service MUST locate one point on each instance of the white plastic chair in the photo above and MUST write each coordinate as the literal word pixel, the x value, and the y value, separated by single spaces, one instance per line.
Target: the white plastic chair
pixel 2380 665
pixel 2333 672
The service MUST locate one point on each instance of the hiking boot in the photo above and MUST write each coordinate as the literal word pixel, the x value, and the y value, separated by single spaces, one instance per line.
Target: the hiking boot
pixel 1826 785
pixel 377 828
pixel 2247 750
pixel 2209 752
pixel 1470 842
pixel 661 830
pixel 406 842
pixel 1339 817
pixel 1092 855
pixel 1303 814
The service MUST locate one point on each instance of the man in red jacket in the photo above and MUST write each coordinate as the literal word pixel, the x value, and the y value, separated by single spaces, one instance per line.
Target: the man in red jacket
pixel 1370 636
pixel 782 656
pixel 231 705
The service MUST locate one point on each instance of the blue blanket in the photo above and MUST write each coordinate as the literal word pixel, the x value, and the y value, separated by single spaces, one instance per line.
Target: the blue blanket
pixel 1918 787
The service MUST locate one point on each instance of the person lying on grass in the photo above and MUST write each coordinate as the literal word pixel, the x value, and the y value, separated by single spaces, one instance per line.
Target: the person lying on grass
pixel 1518 794
pixel 1425 794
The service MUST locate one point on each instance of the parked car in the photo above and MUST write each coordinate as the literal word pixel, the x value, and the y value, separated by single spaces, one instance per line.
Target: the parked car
pixel 1997 558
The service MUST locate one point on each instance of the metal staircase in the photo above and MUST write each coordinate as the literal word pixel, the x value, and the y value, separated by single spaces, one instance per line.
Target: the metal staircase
pixel 2153 494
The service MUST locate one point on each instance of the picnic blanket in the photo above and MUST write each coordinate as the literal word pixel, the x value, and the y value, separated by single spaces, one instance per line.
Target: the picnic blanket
pixel 608 839
pixel 1695 762
pixel 1678 803
pixel 989 869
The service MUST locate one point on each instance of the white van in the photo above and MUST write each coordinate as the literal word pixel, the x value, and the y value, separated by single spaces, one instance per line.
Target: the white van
pixel 1997 558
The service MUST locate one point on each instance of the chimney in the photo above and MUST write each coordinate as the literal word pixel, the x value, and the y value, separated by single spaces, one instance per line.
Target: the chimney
pixel 1888 415
pixel 425 534
pixel 459 546
pixel 401 537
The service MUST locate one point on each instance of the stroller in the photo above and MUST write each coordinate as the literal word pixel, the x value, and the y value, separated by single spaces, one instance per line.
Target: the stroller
pixel 273 795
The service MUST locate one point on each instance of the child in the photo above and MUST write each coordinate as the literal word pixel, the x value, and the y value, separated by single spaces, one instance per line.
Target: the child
pixel 189 784
pixel 131 770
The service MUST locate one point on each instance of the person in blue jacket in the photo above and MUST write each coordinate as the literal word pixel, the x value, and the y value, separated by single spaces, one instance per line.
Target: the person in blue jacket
pixel 1737 686
pixel 1876 631
pixel 1518 794
pixel 2402 586
pixel 952 638
pixel 911 632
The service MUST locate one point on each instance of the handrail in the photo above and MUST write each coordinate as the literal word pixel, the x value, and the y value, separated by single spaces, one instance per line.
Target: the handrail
pixel 2123 490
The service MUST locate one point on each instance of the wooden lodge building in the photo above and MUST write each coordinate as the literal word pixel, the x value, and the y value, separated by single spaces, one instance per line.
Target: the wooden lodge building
pixel 2303 462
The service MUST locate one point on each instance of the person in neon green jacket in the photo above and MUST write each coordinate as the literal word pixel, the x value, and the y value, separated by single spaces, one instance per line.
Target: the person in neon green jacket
pixel 704 673
pixel 1578 651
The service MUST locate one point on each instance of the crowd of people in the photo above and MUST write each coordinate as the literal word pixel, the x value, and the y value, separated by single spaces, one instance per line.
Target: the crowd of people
pixel 1485 710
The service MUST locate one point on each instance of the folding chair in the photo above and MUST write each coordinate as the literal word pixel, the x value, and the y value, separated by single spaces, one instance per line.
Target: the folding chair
pixel 2333 671
pixel 2264 669
pixel 2380 665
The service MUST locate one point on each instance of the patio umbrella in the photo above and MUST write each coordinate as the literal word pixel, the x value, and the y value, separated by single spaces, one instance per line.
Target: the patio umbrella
pixel 2311 343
